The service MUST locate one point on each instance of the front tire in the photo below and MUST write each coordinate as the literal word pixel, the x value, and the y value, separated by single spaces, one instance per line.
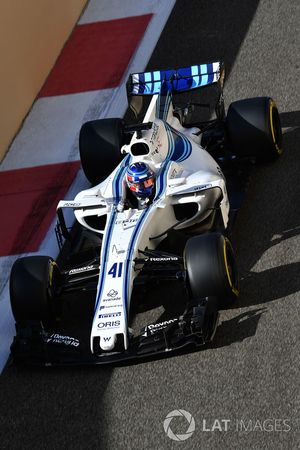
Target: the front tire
pixel 211 268
pixel 254 128
pixel 32 287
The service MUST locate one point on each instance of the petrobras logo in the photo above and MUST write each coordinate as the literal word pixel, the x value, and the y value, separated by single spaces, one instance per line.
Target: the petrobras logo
pixel 116 314
pixel 109 324
pixel 110 306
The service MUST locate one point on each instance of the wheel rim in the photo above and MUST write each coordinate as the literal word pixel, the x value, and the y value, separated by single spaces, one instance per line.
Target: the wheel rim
pixel 230 267
pixel 275 127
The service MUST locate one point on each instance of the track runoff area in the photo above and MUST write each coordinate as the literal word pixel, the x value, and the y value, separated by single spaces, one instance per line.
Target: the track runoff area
pixel 244 391
pixel 111 40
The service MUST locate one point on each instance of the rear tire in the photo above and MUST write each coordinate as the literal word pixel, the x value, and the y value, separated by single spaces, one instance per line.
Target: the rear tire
pixel 211 268
pixel 100 143
pixel 254 128
pixel 32 284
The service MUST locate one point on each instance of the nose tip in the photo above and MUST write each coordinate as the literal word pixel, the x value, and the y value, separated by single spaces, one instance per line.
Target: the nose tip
pixel 108 343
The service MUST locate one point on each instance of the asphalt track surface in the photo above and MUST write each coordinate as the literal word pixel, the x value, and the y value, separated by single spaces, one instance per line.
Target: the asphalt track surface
pixel 252 370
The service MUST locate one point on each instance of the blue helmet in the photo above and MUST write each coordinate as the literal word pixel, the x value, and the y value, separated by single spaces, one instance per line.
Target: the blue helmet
pixel 140 179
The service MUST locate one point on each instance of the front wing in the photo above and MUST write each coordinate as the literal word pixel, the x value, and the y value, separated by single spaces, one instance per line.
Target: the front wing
pixel 34 345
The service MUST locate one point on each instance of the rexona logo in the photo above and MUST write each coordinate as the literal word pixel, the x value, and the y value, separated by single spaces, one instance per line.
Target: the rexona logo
pixel 110 324
pixel 117 314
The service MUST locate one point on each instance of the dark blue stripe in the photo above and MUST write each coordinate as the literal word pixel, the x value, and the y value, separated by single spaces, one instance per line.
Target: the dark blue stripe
pixel 181 148
pixel 116 188
pixel 128 266
pixel 210 72
pixel 161 189
pixel 104 257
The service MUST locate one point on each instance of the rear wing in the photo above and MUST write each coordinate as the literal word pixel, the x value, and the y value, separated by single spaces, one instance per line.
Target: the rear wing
pixel 175 80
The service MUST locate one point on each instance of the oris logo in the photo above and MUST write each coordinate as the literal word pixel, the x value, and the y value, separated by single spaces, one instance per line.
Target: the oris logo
pixel 110 324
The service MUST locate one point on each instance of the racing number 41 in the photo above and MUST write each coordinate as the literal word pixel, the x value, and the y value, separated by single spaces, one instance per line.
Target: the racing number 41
pixel 116 270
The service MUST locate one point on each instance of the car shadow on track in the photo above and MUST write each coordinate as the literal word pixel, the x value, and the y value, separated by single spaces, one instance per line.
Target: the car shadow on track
pixel 265 232
pixel 238 328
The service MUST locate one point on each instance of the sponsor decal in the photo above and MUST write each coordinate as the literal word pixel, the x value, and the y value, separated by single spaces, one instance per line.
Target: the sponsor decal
pixel 110 306
pixel 116 299
pixel 161 324
pixel 81 269
pixel 71 205
pixel 109 324
pixel 115 249
pixel 164 259
pixel 60 339
pixel 126 221
pixel 154 327
pixel 173 173
pixel 203 186
pixel 155 128
pixel 108 315
pixel 112 293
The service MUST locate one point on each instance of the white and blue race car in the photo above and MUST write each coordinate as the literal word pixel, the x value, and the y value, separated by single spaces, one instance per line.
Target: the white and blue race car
pixel 160 209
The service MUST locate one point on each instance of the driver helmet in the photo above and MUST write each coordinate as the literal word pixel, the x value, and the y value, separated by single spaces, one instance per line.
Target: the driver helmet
pixel 140 179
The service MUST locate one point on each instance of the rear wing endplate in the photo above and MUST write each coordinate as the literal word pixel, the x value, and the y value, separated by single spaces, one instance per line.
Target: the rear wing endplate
pixel 175 80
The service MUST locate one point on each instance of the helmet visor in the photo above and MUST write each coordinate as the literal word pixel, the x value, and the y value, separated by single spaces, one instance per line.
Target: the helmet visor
pixel 142 187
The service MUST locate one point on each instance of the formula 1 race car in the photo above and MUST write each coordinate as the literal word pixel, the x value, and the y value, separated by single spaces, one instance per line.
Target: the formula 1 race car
pixel 159 213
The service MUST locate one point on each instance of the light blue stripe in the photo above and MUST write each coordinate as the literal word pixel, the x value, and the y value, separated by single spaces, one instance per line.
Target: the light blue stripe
pixel 167 105
pixel 157 86
pixel 104 258
pixel 195 75
pixel 148 80
pixel 131 247
pixel 204 76
pixel 187 145
pixel 117 187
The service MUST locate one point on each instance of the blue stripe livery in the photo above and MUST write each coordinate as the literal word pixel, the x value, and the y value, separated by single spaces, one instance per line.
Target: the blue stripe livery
pixel 180 80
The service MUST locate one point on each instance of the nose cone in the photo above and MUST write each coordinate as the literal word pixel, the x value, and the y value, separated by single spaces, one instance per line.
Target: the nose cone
pixel 108 343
